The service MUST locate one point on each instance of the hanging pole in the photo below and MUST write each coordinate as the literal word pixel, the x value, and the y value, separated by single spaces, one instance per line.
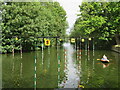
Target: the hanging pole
pixel 58 58
pixel 21 69
pixel 89 39
pixel 35 74
pixel 49 56
pixel 93 54
pixel 65 58
pixel 42 49
pixel 13 50
pixel 88 44
pixel 77 39
pixel 93 46
pixel 86 47
pixel 75 44
pixel 80 48
pixel 21 50
pixel 35 70
pixel 76 48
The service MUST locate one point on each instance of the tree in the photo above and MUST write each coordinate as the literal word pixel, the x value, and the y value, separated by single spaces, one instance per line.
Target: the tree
pixel 29 20
pixel 98 19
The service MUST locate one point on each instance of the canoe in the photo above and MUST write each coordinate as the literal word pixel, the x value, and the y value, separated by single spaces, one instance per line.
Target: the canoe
pixel 105 61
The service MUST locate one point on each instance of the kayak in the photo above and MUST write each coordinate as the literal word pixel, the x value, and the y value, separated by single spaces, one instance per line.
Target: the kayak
pixel 104 60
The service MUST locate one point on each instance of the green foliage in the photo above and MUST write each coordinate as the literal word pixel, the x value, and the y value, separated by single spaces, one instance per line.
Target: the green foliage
pixel 29 20
pixel 98 19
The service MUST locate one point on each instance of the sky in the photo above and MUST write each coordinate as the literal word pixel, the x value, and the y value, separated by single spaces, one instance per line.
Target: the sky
pixel 72 9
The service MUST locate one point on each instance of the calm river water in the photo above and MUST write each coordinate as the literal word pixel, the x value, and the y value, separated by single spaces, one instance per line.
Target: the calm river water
pixel 60 67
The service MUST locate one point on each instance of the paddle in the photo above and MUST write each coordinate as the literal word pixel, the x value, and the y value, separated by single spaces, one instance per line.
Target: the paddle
pixel 100 59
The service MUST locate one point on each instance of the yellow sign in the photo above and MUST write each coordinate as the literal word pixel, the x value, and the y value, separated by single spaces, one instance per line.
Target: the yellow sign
pixel 89 39
pixel 16 38
pixel 72 40
pixel 45 39
pixel 47 42
pixel 83 40
pixel 60 39
pixel 81 86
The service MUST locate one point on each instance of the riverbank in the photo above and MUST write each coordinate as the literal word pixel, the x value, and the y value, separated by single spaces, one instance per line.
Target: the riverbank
pixel 116 48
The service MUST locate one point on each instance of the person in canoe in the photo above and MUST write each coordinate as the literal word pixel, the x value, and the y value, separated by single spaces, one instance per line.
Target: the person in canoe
pixel 104 59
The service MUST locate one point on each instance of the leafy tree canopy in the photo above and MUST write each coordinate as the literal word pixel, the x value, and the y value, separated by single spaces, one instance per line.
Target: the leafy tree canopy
pixel 28 20
pixel 98 19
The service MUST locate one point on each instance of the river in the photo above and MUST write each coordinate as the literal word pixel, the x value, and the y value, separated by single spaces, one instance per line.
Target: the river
pixel 60 67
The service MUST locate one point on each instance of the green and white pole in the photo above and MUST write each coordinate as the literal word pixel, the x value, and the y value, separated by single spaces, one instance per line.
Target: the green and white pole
pixel 58 57
pixel 35 74
pixel 35 70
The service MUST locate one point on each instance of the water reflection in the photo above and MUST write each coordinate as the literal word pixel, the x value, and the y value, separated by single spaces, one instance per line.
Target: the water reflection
pixel 21 66
pixel 13 67
pixel 104 65
pixel 72 73
pixel 65 67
